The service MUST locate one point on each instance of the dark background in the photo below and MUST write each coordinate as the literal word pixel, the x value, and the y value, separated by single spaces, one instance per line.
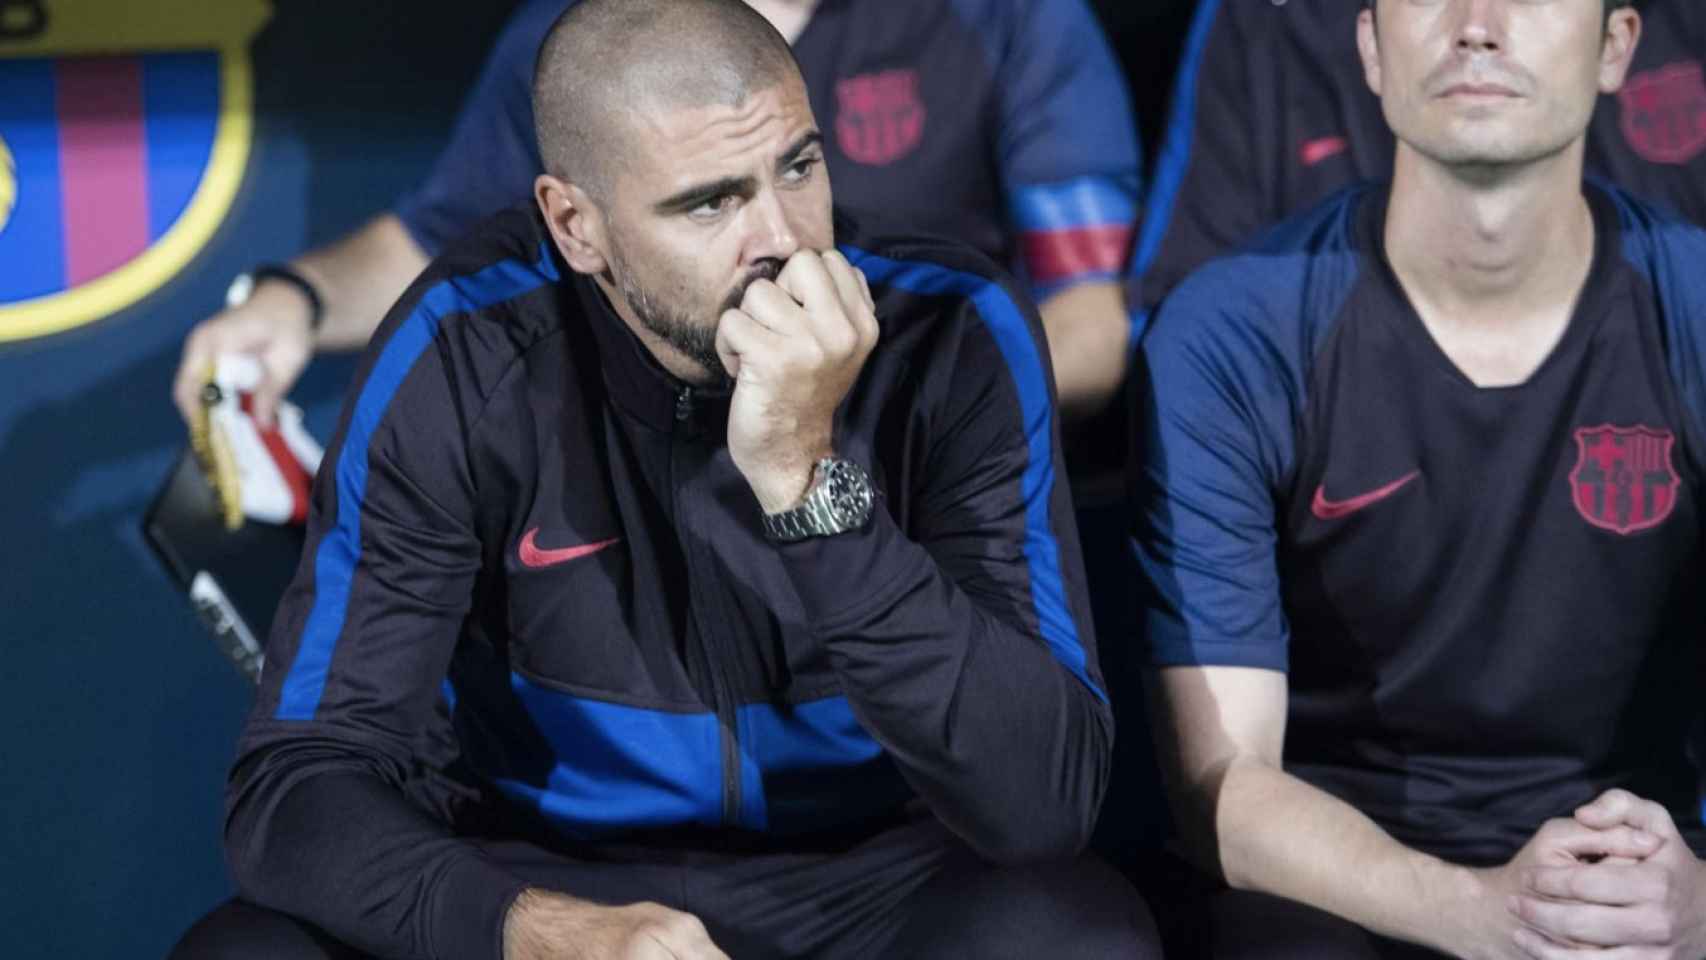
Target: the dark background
pixel 119 716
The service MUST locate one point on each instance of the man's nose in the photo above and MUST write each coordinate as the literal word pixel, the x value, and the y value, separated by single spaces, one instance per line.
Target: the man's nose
pixel 773 234
pixel 1480 27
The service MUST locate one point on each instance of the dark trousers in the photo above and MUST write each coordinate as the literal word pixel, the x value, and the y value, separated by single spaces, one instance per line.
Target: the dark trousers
pixel 1246 926
pixel 913 891
pixel 1202 919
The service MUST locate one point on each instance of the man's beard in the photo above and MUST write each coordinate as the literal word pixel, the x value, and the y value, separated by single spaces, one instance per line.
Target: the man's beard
pixel 675 327
pixel 674 324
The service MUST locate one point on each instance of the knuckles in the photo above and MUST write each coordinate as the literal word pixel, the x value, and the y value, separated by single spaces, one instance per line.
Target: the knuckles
pixel 841 345
pixel 805 356
pixel 1655 926
pixel 669 925
pixel 1661 886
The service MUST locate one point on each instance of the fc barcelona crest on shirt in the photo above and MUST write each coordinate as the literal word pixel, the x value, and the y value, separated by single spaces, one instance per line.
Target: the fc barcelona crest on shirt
pixel 1624 480
pixel 124 131
pixel 1664 113
pixel 880 117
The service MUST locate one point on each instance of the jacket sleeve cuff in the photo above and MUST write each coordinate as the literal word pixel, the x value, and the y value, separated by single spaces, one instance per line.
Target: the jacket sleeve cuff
pixel 469 908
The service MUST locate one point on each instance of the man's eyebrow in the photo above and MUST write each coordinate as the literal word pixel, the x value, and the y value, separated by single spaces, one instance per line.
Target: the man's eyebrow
pixel 789 156
pixel 700 193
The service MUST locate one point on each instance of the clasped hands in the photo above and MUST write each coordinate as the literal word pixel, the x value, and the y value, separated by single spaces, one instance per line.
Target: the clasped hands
pixel 1614 882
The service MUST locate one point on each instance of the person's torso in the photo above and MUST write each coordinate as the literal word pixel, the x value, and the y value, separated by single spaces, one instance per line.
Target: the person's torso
pixel 906 95
pixel 1493 593
pixel 1650 137
pixel 637 664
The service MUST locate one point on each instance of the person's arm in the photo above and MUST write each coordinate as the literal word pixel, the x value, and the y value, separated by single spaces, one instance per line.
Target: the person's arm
pixel 488 164
pixel 318 824
pixel 966 648
pixel 357 279
pixel 1090 341
pixel 1070 167
pixel 492 156
pixel 1220 731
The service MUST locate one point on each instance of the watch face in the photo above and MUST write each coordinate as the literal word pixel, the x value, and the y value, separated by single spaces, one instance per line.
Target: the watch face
pixel 849 493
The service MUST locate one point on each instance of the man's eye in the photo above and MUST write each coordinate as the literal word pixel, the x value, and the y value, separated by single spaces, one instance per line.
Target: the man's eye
pixel 800 169
pixel 710 209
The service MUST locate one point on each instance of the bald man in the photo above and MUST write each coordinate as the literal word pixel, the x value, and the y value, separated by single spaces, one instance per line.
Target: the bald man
pixel 1001 123
pixel 733 536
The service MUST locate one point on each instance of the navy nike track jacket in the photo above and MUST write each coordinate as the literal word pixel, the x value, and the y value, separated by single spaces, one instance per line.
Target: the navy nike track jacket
pixel 525 523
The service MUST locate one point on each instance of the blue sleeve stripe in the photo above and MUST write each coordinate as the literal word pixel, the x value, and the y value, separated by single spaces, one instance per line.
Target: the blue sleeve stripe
pixel 339 554
pixel 1092 200
pixel 1175 156
pixel 1013 337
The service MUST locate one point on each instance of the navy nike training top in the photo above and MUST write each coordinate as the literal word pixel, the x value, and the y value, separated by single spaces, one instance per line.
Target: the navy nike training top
pixel 1487 600
pixel 524 519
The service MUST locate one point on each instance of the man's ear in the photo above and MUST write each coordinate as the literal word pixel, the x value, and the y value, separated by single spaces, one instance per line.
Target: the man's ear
pixel 1368 47
pixel 575 222
pixel 1622 36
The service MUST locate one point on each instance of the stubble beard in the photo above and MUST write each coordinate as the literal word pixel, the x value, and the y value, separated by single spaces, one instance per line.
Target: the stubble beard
pixel 674 324
pixel 670 322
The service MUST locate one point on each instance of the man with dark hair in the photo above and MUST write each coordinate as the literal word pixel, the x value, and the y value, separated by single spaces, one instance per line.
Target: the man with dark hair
pixel 1271 116
pixel 1418 505
pixel 741 559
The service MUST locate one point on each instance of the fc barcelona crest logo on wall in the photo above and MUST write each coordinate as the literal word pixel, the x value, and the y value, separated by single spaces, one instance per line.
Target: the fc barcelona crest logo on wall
pixel 1624 480
pixel 124 131
pixel 1664 113
pixel 879 116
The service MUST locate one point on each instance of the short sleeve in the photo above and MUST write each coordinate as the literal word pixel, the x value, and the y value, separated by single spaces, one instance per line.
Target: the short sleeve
pixel 1215 416
pixel 1067 146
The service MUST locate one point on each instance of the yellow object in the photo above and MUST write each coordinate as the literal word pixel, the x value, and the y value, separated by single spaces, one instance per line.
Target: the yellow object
pixel 8 184
pixel 218 464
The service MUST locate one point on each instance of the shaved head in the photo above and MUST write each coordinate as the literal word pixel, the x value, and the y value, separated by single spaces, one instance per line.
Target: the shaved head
pixel 682 163
pixel 606 61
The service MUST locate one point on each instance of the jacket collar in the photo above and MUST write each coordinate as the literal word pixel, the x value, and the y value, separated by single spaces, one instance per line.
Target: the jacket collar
pixel 633 378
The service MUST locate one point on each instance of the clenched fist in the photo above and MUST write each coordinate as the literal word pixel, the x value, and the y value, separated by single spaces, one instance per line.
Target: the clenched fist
pixel 552 926
pixel 794 347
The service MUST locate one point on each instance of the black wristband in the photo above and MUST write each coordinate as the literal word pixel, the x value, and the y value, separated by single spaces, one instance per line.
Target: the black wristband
pixel 288 274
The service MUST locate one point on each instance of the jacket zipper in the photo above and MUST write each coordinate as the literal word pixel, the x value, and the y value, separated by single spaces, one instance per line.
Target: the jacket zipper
pixel 722 692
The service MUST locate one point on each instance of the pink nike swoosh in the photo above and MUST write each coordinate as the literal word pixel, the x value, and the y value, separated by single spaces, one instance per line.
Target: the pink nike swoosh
pixel 536 558
pixel 1323 148
pixel 1335 509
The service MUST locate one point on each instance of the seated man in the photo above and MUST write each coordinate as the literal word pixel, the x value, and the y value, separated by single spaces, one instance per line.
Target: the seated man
pixel 742 560
pixel 1418 505
pixel 1001 123
pixel 1271 115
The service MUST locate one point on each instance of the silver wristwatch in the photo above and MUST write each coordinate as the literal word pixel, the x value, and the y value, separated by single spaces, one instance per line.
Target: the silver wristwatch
pixel 838 500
